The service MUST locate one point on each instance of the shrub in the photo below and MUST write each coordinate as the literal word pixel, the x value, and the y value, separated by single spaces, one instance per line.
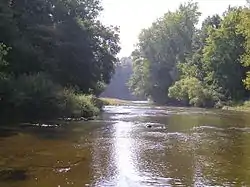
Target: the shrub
pixel 37 97
pixel 79 105
pixel 33 96
pixel 193 92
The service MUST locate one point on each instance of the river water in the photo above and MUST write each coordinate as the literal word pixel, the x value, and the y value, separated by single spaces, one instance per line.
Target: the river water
pixel 183 147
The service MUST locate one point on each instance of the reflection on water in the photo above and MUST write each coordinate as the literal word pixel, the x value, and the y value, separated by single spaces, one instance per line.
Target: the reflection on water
pixel 124 154
pixel 183 147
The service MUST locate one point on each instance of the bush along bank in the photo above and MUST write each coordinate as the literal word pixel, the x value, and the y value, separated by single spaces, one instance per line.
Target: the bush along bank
pixel 36 97
pixel 53 57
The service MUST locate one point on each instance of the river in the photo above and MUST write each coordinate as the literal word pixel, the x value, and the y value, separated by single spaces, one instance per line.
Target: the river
pixel 130 146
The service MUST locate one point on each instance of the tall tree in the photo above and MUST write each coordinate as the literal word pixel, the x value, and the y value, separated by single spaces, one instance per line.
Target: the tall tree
pixel 222 56
pixel 162 46
pixel 62 38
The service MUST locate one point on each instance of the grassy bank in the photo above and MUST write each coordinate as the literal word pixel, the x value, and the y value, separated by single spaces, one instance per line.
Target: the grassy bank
pixel 113 101
pixel 243 106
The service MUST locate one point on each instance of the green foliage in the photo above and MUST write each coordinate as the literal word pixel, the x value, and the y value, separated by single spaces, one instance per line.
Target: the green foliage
pixel 200 67
pixel 37 97
pixel 62 38
pixel 243 29
pixel 78 105
pixel 55 45
pixel 160 48
pixel 193 92
pixel 139 83
pixel 222 55
pixel 32 95
pixel 215 63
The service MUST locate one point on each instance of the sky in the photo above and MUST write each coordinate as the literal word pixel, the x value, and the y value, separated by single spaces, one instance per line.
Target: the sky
pixel 134 15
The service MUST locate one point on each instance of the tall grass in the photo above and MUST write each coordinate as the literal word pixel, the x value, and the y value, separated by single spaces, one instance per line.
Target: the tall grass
pixel 79 105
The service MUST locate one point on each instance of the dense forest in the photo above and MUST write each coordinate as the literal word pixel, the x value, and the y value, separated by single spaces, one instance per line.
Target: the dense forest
pixel 55 57
pixel 176 60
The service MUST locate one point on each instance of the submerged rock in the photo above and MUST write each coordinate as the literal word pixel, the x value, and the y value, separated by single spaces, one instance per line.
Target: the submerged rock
pixel 67 119
pixel 149 126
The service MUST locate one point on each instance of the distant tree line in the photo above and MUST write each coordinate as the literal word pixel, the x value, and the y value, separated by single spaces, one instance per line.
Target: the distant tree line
pixel 118 87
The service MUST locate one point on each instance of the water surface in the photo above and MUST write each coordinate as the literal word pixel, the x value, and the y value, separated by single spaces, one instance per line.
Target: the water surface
pixel 183 147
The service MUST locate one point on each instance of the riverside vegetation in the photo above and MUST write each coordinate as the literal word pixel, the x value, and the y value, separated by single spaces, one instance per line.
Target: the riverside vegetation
pixel 55 58
pixel 178 61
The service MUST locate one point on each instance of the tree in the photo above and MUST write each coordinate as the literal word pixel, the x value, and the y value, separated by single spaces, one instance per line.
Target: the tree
pixel 56 45
pixel 222 54
pixel 161 47
pixel 62 38
pixel 139 82
pixel 194 92
pixel 244 25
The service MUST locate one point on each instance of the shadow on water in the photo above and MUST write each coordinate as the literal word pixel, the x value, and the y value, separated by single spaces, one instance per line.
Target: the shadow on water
pixel 55 130
pixel 13 175
pixel 4 133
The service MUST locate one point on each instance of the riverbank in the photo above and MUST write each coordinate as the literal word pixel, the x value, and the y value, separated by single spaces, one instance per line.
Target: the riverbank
pixel 113 101
pixel 244 107
pixel 80 108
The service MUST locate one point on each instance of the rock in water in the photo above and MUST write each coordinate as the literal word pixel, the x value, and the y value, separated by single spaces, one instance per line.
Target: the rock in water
pixel 148 126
